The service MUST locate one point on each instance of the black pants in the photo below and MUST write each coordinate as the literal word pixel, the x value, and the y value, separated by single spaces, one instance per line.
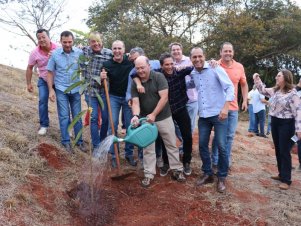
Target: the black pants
pixel 282 131
pixel 183 120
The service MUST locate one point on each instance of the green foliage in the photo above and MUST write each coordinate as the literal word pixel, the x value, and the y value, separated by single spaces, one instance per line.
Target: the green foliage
pixel 266 34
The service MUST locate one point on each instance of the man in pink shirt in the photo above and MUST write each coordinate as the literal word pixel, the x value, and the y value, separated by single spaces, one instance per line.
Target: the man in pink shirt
pixel 237 75
pixel 39 57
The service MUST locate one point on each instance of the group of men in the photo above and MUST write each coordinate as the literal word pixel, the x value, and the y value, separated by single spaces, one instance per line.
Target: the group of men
pixel 169 93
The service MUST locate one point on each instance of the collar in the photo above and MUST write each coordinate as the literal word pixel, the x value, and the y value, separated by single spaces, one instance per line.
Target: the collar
pixel 225 65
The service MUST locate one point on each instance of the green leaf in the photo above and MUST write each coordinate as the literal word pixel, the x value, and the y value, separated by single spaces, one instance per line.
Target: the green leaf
pixel 99 99
pixel 75 75
pixel 77 137
pixel 97 79
pixel 75 120
pixel 74 86
pixel 83 88
pixel 68 68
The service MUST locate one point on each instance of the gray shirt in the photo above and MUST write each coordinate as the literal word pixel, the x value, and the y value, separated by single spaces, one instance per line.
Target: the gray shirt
pixel 149 99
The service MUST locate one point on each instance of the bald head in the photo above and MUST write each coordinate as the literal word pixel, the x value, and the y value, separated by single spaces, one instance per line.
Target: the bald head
pixel 143 68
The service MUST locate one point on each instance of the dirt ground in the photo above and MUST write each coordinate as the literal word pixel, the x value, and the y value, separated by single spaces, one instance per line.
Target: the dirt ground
pixel 40 184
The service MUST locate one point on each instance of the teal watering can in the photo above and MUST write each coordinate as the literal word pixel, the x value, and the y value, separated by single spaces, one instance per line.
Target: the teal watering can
pixel 141 136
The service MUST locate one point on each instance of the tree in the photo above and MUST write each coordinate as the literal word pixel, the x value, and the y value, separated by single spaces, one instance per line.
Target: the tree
pixel 25 17
pixel 265 33
pixel 152 24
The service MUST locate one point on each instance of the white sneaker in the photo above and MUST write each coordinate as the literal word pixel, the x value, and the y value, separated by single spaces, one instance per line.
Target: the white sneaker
pixel 42 131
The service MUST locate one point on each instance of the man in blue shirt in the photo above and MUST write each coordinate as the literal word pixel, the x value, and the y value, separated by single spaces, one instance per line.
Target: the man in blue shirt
pixel 215 92
pixel 61 66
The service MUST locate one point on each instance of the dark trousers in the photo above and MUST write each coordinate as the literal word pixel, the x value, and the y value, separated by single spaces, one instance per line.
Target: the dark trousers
pixel 299 151
pixel 183 120
pixel 282 131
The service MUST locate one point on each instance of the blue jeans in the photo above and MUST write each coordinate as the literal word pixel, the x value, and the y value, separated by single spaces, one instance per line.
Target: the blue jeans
pixel 251 119
pixel 65 102
pixel 260 119
pixel 116 104
pixel 43 102
pixel 231 128
pixel 220 128
pixel 97 135
pixel 192 109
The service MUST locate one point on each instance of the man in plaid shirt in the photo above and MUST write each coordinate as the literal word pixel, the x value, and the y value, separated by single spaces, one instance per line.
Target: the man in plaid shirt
pixel 94 56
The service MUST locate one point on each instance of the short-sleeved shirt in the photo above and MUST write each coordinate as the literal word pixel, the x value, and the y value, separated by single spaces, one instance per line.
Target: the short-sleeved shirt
pixel 118 74
pixel 64 65
pixel 149 99
pixel 40 58
pixel 236 73
pixel 256 101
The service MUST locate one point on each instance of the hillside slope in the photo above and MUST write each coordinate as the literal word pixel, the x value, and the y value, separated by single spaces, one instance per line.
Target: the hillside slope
pixel 40 184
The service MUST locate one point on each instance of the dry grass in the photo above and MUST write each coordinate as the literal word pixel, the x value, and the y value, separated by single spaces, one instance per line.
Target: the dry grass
pixel 19 163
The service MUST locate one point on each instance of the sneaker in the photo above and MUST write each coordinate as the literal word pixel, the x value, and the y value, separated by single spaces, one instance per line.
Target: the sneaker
pixel 268 133
pixel 131 161
pixel 178 176
pixel 42 131
pixel 187 169
pixel 159 162
pixel 146 182
pixel 164 170
pixel 68 148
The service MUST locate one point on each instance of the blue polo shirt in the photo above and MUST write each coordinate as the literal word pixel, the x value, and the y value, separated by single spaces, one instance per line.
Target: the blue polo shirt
pixel 214 89
pixel 64 66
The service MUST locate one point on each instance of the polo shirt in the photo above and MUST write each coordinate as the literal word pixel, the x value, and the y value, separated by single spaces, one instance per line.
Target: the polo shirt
pixel 236 73
pixel 40 58
pixel 118 75
pixel 149 100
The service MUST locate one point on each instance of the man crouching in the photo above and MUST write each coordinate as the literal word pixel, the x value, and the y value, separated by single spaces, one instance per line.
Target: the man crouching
pixel 154 105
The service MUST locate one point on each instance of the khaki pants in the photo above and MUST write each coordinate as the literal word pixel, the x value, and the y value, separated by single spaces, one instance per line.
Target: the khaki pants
pixel 166 129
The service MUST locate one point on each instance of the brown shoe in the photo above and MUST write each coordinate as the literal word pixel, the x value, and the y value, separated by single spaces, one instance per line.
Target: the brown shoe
pixel 205 179
pixel 276 177
pixel 284 186
pixel 221 186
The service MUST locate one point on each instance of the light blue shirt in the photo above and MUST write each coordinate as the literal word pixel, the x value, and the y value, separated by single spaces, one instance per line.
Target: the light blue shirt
pixel 154 64
pixel 214 89
pixel 256 101
pixel 64 66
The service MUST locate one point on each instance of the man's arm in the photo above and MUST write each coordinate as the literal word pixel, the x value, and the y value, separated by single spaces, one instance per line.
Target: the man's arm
pixel 50 86
pixel 160 105
pixel 135 111
pixel 244 91
pixel 28 78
